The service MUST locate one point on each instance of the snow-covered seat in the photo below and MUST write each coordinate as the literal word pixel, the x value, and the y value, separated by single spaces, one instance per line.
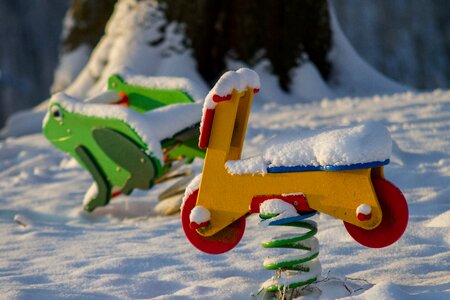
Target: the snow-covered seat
pixel 364 146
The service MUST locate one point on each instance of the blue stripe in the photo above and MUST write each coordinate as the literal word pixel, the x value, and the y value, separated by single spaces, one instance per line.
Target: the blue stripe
pixel 292 219
pixel 285 169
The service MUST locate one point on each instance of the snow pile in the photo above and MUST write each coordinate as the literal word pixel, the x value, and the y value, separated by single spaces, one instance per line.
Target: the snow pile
pixel 170 119
pixel 199 215
pixel 281 209
pixel 232 80
pixel 277 207
pixel 182 84
pixel 22 123
pixel 70 65
pixel 308 83
pixel 152 126
pixel 442 220
pixel 351 75
pixel 363 209
pixel 252 165
pixel 369 142
pixel 107 97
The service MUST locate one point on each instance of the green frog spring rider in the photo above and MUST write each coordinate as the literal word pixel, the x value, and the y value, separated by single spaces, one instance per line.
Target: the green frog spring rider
pixel 129 137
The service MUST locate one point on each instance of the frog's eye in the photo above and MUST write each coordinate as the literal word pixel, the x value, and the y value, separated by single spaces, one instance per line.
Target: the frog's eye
pixel 56 113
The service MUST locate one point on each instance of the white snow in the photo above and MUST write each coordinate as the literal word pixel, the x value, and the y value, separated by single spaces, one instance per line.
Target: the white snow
pixel 442 220
pixel 251 165
pixel 124 250
pixel 22 123
pixel 279 207
pixel 232 80
pixel 152 126
pixel 351 74
pixel 309 83
pixel 369 142
pixel 106 97
pixel 363 209
pixel 343 146
pixel 168 120
pixel 69 66
pixel 199 215
pixel 192 186
pixel 91 193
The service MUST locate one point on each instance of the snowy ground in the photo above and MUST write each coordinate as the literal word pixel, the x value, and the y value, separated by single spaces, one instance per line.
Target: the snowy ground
pixel 125 251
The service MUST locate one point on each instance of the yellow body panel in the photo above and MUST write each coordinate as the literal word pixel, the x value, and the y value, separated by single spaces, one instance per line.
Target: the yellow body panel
pixel 228 197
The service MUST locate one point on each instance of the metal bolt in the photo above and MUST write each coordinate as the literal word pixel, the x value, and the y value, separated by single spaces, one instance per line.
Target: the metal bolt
pixel 295 203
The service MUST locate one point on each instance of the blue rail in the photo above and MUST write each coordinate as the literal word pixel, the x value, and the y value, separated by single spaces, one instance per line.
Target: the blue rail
pixel 285 169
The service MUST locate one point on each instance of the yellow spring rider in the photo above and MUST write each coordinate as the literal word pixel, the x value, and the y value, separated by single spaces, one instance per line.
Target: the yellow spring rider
pixel 213 214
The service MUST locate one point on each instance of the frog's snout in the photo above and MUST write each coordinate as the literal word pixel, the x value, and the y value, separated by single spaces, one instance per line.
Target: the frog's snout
pixel 54 128
pixel 57 133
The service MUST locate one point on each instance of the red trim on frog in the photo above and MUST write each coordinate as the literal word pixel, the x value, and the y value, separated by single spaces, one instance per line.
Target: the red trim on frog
pixel 124 100
pixel 115 194
pixel 298 201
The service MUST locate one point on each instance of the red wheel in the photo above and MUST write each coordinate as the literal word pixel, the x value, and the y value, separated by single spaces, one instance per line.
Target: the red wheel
pixel 221 242
pixel 394 222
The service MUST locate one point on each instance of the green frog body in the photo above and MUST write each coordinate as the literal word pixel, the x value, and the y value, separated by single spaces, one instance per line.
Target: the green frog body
pixel 121 147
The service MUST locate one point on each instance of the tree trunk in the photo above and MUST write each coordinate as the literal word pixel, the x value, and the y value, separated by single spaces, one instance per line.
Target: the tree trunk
pixel 284 32
pixel 88 20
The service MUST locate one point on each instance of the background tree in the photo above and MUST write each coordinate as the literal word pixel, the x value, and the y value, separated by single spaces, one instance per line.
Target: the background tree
pixel 281 31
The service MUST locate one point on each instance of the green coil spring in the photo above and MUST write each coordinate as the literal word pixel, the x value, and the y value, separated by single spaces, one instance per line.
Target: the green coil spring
pixel 293 269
